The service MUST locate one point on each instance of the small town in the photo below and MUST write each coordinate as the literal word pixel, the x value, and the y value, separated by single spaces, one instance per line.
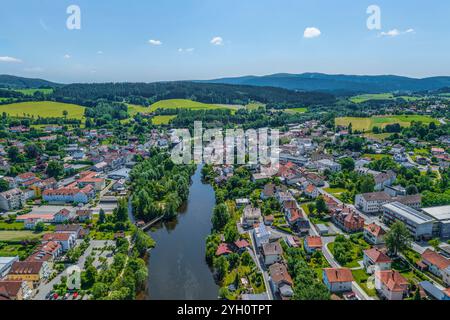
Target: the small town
pixel 213 159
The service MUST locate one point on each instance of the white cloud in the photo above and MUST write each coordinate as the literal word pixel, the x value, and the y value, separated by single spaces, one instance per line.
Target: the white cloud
pixel 311 32
pixel 188 50
pixel 155 42
pixel 395 33
pixel 10 59
pixel 217 41
pixel 67 56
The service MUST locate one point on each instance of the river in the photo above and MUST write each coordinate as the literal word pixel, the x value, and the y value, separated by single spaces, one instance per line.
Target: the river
pixel 177 266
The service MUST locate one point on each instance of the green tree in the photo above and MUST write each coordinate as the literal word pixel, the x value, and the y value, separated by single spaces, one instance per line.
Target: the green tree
pixel 39 227
pixel 435 243
pixel 4 185
pixel 220 216
pixel 398 238
pixel 348 164
pixel 231 233
pixel 13 154
pixel 101 216
pixel 54 169
pixel 321 205
pixel 221 265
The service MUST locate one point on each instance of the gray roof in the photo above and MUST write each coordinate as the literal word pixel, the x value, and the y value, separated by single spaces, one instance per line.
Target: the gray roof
pixel 408 213
pixel 438 213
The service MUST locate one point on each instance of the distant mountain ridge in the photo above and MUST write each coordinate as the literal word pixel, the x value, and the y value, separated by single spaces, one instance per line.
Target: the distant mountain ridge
pixel 14 82
pixel 339 83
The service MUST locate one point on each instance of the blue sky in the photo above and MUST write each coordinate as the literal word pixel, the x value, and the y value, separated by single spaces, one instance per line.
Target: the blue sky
pixel 251 37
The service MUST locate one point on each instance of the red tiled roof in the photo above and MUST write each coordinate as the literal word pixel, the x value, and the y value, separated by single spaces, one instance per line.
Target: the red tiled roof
pixel 278 272
pixel 25 267
pixel 338 275
pixel 242 244
pixel 377 256
pixel 314 242
pixel 435 259
pixel 223 249
pixel 57 237
pixel 10 288
pixel 375 229
pixel 393 280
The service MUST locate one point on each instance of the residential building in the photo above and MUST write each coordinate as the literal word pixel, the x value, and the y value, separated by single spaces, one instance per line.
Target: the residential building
pixel 66 240
pixel 268 191
pixel 84 215
pixel 437 265
pixel 15 290
pixel 31 272
pixel 338 279
pixel 419 224
pixel 280 280
pixel 272 252
pixel 12 199
pixel 261 235
pixel 311 191
pixel 251 216
pixel 327 164
pixel 69 195
pixel 348 220
pixel 312 244
pixel 374 234
pixel 391 284
pixel 374 260
pixel 62 216
pixel 371 202
pixel 384 179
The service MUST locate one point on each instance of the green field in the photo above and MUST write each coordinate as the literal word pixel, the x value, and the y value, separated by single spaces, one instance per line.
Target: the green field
pixel 187 104
pixel 30 92
pixel 19 235
pixel 134 109
pixel 161 120
pixel 381 96
pixel 378 136
pixel 367 124
pixel 254 106
pixel 44 109
pixel 366 97
pixel 296 110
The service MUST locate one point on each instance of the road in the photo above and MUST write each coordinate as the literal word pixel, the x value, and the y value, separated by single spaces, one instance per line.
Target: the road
pixel 254 255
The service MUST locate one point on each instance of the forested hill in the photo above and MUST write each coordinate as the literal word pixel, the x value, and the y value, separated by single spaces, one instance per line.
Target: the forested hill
pixel 13 82
pixel 202 92
pixel 340 83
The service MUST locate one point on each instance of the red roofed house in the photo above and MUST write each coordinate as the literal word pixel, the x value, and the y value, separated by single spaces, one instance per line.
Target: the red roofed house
pixel 437 265
pixel 31 272
pixel 223 249
pixel 375 259
pixel 348 220
pixel 66 240
pixel 241 245
pixel 15 290
pixel 374 234
pixel 311 191
pixel 391 284
pixel 338 279
pixel 62 216
pixel 313 244
pixel 91 178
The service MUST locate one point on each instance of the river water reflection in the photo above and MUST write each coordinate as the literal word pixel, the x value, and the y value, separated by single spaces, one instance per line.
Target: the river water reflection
pixel 177 266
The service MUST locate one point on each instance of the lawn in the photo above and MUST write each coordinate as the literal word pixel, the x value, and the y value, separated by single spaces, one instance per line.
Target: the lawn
pixel 296 110
pixel 377 136
pixel 367 124
pixel 376 156
pixel 187 104
pixel 43 109
pixel 162 120
pixel 19 235
pixel 12 250
pixel 134 109
pixel 11 226
pixel 361 278
pixel 335 191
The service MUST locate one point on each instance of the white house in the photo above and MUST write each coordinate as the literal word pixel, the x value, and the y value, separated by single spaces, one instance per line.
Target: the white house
pixel 12 199
pixel 272 253
pixel 391 284
pixel 374 259
pixel 338 279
